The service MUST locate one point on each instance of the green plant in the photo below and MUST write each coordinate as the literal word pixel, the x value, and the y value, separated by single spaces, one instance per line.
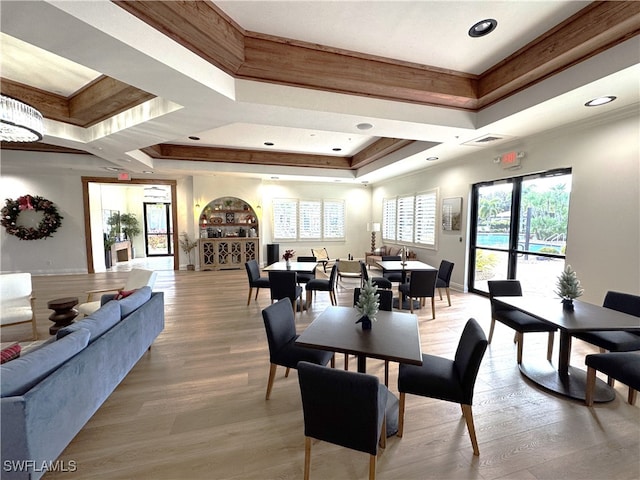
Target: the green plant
pixel 551 250
pixel 187 245
pixel 568 284
pixel 114 223
pixel 130 225
pixel 369 300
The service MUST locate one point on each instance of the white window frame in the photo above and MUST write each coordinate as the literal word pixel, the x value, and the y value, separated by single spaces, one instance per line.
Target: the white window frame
pixel 314 219
pixel 411 219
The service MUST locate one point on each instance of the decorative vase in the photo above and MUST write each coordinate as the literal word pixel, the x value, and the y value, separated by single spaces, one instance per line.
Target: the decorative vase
pixel 288 264
pixel 567 304
pixel 366 322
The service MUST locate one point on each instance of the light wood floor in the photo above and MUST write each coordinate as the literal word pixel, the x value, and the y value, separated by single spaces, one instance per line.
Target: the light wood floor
pixel 194 407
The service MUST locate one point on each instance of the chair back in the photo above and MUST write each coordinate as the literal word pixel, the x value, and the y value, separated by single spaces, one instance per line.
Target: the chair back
pixel 386 298
pixel 320 253
pixel 363 272
pixel 623 302
pixel 16 288
pixel 423 283
pixel 306 259
pixel 444 272
pixel 469 354
pixel 253 270
pixel 503 288
pixel 139 277
pixel 342 407
pixel 283 285
pixel 279 323
pixel 391 258
pixel 350 267
pixel 332 276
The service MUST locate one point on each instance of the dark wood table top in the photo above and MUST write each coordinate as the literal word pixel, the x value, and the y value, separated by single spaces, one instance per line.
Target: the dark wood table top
pixel 409 266
pixel 584 316
pixel 394 335
pixel 300 267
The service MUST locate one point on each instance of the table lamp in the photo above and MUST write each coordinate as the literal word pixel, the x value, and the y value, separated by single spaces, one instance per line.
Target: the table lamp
pixel 373 228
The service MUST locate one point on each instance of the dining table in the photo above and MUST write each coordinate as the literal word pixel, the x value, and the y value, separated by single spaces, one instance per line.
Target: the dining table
pixel 404 267
pixel 565 379
pixel 394 336
pixel 298 267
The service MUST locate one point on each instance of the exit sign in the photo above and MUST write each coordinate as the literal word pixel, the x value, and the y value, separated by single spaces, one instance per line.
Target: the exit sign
pixel 511 159
pixel 123 176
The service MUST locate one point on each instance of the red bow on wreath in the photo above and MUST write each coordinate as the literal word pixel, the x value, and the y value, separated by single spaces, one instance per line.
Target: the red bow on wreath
pixel 24 203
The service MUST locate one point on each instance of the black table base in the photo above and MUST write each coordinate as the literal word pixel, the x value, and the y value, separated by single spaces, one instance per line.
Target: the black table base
pixel 572 385
pixel 406 305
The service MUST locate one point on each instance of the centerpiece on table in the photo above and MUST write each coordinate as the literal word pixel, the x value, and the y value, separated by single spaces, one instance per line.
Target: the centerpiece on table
pixel 288 255
pixel 368 304
pixel 568 287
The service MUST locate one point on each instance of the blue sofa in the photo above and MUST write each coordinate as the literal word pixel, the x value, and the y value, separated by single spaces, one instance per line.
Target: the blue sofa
pixel 49 394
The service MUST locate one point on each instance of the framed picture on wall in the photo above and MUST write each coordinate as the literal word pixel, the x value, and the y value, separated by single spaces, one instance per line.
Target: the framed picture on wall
pixel 452 213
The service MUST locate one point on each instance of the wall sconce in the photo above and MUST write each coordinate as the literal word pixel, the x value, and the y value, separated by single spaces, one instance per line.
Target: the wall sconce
pixel 373 228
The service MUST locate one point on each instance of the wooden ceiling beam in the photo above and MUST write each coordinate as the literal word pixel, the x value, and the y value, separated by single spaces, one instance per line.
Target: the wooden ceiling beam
pixel 377 150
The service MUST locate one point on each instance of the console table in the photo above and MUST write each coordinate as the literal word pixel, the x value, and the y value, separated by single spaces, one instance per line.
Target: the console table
pixel 121 251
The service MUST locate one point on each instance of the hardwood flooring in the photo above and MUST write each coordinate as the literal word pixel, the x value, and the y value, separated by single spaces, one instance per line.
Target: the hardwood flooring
pixel 194 407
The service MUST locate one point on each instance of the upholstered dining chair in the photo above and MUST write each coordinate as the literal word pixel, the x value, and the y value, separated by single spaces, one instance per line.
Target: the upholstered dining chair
pixel 305 277
pixel 623 366
pixel 444 279
pixel 343 408
pixel 379 282
pixel 422 284
pixel 519 321
pixel 255 280
pixel 138 278
pixel 284 284
pixel 386 304
pixel 279 323
pixel 392 276
pixel 448 380
pixel 323 285
pixel 17 305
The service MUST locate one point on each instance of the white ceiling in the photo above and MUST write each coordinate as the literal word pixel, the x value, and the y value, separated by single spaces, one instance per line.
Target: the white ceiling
pixel 196 98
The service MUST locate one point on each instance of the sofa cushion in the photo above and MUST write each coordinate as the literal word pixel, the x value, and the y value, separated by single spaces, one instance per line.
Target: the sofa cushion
pixel 131 303
pixel 97 323
pixel 123 294
pixel 10 353
pixel 20 375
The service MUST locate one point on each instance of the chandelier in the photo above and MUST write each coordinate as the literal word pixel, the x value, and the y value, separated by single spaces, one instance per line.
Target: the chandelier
pixel 19 122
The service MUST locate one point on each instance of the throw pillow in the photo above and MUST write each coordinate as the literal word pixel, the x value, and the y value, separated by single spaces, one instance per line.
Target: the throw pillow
pixel 123 294
pixel 10 352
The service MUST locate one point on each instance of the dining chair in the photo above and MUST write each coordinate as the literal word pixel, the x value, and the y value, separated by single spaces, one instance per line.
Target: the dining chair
pixel 284 284
pixel 519 321
pixel 392 276
pixel 622 366
pixel 279 323
pixel 445 379
pixel 386 304
pixel 305 277
pixel 380 282
pixel 137 278
pixel 323 285
pixel 444 279
pixel 349 269
pixel 17 305
pixel 322 256
pixel 255 280
pixel 422 284
pixel 343 408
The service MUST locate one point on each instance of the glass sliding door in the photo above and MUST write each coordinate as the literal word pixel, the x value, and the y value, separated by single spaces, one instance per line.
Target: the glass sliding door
pixel 158 229
pixel 520 231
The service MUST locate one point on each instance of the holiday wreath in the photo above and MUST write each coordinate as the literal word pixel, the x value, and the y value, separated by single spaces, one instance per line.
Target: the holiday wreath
pixel 50 222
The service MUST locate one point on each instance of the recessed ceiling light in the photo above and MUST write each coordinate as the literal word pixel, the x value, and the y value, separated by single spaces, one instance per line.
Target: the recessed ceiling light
pixel 275 178
pixel 483 27
pixel 364 126
pixel 596 102
pixel 193 137
pixel 431 159
pixel 147 171
pixel 269 144
pixel 112 169
pixel 337 149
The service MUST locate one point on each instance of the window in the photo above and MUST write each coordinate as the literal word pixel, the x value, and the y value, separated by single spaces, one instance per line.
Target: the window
pixel 308 219
pixel 411 219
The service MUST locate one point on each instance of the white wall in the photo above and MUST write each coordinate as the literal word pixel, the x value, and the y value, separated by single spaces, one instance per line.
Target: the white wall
pixel 603 243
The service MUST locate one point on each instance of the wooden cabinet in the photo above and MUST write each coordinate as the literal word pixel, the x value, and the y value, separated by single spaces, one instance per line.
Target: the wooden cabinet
pixel 227 252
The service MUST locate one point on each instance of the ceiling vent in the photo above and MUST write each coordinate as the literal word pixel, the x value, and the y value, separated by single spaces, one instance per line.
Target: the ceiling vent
pixel 489 139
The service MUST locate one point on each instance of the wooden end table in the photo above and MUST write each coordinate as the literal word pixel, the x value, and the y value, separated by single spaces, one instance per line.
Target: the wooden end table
pixel 63 313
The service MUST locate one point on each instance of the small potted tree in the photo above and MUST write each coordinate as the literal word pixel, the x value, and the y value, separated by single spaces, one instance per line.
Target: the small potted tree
pixel 131 228
pixel 187 246
pixel 568 287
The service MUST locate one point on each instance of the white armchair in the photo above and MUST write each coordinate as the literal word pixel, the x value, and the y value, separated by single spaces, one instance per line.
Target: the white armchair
pixel 138 278
pixel 17 301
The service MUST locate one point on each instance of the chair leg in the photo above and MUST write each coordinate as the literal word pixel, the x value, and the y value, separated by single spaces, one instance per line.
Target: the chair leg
pixel 519 342
pixel 307 457
pixel 411 303
pixel 590 387
pixel 249 297
pixel 401 414
pixel 272 375
pixel 333 361
pixel 372 467
pixel 493 324
pixel 33 327
pixel 257 291
pixel 433 307
pixel 346 361
pixel 550 346
pixel 383 433
pixel 468 416
pixel 386 373
pixel 448 295
pixel 632 396
pixel 440 293
pixel 309 298
pixel 286 372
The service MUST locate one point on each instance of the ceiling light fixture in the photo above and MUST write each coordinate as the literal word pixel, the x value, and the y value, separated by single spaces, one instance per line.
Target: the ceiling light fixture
pixel 432 159
pixel 19 122
pixel 269 144
pixel 193 137
pixel 483 27
pixel 596 102
pixel 364 126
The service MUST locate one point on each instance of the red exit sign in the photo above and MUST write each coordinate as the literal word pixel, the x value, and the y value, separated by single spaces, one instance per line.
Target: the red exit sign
pixel 511 159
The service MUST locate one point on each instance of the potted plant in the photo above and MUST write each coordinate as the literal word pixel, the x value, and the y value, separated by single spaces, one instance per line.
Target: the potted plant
pixel 368 304
pixel 114 223
pixel 288 255
pixel 187 246
pixel 131 228
pixel 568 287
